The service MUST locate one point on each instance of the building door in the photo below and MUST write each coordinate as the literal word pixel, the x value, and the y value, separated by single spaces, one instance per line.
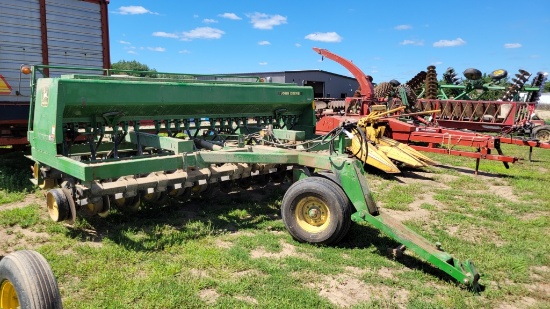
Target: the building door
pixel 318 88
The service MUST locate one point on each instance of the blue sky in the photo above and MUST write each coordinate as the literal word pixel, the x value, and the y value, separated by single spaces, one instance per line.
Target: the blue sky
pixel 388 40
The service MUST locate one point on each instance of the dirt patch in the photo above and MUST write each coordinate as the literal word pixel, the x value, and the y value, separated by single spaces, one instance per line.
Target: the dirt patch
pixel 475 235
pixel 16 238
pixel 425 178
pixel 345 291
pixel 416 212
pixel 29 199
pixel 209 296
pixel 390 273
pixel 506 192
pixel 199 273
pixel 541 273
pixel 525 302
pixel 223 244
pixel 247 299
pixel 248 273
pixel 288 250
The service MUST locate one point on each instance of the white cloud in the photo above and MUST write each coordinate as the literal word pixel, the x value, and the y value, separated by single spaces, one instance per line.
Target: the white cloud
pixel 165 35
pixel 263 63
pixel 230 16
pixel 209 21
pixel 266 22
pixel 298 45
pixel 157 49
pixel 264 43
pixel 412 42
pixel 512 45
pixel 328 37
pixel 124 42
pixel 202 33
pixel 131 52
pixel 402 27
pixel 184 51
pixel 133 10
pixel 436 63
pixel 449 43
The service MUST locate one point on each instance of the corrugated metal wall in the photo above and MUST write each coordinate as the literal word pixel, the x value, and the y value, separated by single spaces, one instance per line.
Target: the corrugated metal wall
pixel 74 34
pixel 74 38
pixel 20 42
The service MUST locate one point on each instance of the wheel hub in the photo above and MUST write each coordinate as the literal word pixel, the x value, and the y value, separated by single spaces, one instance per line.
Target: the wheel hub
pixel 8 296
pixel 312 214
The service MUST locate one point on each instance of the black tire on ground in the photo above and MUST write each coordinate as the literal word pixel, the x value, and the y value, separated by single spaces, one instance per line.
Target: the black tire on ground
pixel 27 281
pixel 58 205
pixel 332 180
pixel 316 210
pixel 542 133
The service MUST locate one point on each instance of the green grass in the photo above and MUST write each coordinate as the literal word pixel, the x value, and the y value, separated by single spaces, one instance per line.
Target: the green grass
pixel 234 252
pixel 14 177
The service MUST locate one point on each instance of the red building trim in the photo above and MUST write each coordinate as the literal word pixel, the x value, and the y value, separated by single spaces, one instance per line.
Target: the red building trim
pixel 44 36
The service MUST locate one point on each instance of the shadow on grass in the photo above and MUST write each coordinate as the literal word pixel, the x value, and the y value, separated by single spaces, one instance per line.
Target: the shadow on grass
pixel 364 237
pixel 155 228
pixel 472 171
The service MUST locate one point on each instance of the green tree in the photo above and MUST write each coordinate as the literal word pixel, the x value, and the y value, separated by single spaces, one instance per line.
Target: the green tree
pixel 547 87
pixel 143 69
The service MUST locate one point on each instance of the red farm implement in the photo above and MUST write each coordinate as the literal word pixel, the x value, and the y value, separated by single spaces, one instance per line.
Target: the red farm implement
pixel 438 124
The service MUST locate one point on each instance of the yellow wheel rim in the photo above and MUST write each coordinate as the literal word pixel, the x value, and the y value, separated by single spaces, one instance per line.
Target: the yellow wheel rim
pixel 95 207
pixel 176 192
pixel 8 296
pixel 312 214
pixel 120 201
pixel 53 208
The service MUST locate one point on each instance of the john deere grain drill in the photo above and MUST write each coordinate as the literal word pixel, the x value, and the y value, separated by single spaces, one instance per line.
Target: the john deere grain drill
pixel 102 141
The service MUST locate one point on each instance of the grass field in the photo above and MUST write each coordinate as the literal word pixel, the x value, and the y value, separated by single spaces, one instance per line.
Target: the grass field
pixel 234 252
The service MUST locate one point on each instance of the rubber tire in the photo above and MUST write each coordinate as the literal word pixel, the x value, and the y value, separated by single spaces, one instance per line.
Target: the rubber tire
pixel 63 209
pixel 472 74
pixel 32 278
pixel 333 181
pixel 545 129
pixel 328 192
pixel 498 74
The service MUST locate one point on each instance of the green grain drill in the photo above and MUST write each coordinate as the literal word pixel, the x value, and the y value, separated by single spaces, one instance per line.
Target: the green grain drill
pixel 118 141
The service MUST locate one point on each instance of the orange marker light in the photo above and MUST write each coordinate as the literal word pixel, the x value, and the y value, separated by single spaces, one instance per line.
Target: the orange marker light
pixel 26 69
